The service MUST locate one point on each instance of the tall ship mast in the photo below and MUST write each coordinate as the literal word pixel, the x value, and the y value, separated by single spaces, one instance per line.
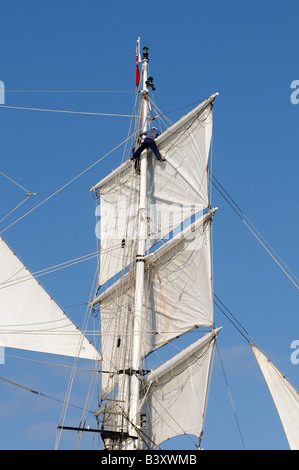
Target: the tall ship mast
pixel 156 276
pixel 164 282
pixel 155 285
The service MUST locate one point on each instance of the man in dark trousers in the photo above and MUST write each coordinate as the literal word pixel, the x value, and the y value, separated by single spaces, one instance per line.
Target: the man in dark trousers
pixel 149 142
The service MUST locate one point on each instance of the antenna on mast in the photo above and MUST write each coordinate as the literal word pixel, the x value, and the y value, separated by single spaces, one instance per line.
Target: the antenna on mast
pixel 149 82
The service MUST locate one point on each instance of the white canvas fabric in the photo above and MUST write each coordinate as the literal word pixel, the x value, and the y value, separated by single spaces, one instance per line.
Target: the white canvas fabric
pixel 175 395
pixel 178 287
pixel 118 224
pixel 285 396
pixel 117 310
pixel 179 187
pixel 177 299
pixel 30 319
pixel 176 189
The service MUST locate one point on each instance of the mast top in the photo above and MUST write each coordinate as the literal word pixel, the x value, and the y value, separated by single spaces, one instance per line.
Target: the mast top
pixel 145 53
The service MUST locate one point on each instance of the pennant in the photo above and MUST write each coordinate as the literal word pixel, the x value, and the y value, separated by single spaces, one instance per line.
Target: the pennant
pixel 137 76
pixel 137 60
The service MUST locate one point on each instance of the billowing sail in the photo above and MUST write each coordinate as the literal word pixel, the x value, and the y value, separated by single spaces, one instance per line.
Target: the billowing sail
pixel 178 287
pixel 176 190
pixel 177 298
pixel 118 224
pixel 117 308
pixel 30 319
pixel 179 188
pixel 285 396
pixel 174 396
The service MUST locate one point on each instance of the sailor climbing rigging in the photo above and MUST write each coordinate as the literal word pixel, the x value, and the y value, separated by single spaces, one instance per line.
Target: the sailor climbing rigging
pixel 149 142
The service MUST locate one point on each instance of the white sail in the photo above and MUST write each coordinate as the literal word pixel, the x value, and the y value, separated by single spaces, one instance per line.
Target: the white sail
pixel 175 190
pixel 177 298
pixel 116 328
pixel 174 396
pixel 30 319
pixel 178 287
pixel 285 396
pixel 118 225
pixel 180 187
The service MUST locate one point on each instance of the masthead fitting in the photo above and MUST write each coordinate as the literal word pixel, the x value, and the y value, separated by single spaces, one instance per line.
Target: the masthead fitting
pixel 145 53
pixel 149 83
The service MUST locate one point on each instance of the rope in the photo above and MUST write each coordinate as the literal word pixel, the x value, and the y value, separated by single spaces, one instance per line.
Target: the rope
pixel 229 312
pixel 65 111
pixel 10 179
pixel 231 399
pixel 66 191
pixel 179 109
pixel 7 215
pixel 72 377
pixel 12 281
pixel 46 363
pixel 95 114
pixel 257 235
pixel 67 91
pixel 249 340
pixel 67 184
pixel 36 392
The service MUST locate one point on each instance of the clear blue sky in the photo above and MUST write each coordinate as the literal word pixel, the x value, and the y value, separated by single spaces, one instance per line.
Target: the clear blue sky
pixel 246 51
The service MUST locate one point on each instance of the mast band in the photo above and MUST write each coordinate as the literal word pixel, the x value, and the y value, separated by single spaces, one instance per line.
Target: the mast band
pixel 133 371
pixel 116 435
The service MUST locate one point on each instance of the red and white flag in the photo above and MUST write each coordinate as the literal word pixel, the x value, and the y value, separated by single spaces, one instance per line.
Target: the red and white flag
pixel 137 61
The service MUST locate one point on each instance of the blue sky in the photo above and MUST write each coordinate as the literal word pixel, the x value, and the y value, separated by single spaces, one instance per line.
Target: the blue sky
pixel 246 51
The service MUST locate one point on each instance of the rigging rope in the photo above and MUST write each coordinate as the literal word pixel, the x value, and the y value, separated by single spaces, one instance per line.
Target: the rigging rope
pixel 45 363
pixel 11 281
pixel 231 399
pixel 9 213
pixel 96 114
pixel 255 231
pixel 38 393
pixel 72 377
pixel 66 111
pixel 17 184
pixel 245 332
pixel 67 184
pixel 68 91
pixel 239 213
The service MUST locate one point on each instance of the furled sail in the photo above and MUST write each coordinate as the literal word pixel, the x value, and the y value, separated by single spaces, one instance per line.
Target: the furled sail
pixel 177 298
pixel 285 396
pixel 30 319
pixel 175 190
pixel 174 396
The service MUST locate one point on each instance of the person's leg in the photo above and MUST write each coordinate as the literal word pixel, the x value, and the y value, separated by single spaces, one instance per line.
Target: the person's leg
pixel 137 164
pixel 139 150
pixel 155 150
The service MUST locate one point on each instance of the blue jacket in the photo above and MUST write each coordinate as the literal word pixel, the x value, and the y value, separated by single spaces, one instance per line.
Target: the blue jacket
pixel 151 134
